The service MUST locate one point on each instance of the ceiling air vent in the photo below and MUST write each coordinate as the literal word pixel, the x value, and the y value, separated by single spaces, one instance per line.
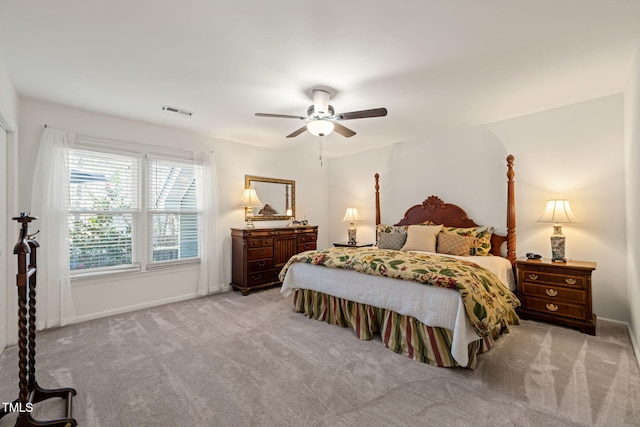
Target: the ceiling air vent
pixel 179 111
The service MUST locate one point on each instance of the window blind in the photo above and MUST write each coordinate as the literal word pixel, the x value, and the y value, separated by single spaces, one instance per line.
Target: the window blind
pixel 104 206
pixel 174 210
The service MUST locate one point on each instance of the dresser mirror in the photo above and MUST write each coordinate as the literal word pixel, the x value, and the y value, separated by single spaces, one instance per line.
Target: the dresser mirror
pixel 278 198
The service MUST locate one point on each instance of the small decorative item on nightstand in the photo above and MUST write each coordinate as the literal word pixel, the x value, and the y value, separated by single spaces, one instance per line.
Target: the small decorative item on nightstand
pixel 556 292
pixel 351 216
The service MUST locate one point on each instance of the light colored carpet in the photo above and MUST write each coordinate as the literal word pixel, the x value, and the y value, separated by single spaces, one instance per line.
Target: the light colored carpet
pixel 229 360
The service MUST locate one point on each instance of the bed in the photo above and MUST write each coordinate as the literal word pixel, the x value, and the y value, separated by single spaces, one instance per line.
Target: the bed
pixel 443 309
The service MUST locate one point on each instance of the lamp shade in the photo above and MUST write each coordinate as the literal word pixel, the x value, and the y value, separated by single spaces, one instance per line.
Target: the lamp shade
pixel 557 212
pixel 250 198
pixel 320 127
pixel 351 215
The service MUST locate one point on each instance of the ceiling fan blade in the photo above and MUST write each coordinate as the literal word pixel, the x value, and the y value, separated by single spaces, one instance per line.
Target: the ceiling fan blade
pixel 282 116
pixel 362 114
pixel 344 131
pixel 298 132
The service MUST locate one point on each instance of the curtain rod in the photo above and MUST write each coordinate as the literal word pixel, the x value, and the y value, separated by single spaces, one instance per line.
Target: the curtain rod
pixel 93 137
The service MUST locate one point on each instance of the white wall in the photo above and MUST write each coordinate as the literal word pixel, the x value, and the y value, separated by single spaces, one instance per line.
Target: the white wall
pixel 8 142
pixel 574 152
pixel 103 296
pixel 632 168
pixel 8 100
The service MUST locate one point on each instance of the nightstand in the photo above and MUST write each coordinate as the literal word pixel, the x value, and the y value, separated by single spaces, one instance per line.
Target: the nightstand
pixel 350 245
pixel 557 292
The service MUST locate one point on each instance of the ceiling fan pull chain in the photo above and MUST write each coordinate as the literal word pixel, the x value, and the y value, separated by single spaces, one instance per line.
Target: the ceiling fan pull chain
pixel 320 150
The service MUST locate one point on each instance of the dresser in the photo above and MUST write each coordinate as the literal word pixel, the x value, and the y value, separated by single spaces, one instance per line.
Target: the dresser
pixel 258 254
pixel 557 292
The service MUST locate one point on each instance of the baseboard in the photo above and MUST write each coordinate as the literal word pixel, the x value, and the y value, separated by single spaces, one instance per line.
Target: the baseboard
pixel 634 344
pixel 135 307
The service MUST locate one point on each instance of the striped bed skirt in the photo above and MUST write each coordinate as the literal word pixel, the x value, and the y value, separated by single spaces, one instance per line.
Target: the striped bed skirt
pixel 403 334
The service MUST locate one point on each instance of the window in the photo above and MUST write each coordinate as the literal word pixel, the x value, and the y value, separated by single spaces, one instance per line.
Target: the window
pixel 173 211
pixel 130 212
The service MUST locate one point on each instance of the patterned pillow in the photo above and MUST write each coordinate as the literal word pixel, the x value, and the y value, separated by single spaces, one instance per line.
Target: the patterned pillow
pixel 454 244
pixel 421 238
pixel 389 229
pixel 482 238
pixel 482 244
pixel 392 240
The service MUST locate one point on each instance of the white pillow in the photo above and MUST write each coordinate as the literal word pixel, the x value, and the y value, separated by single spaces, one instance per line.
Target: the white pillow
pixel 421 238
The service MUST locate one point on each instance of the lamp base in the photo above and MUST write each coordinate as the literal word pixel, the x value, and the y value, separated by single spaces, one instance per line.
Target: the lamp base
pixel 557 248
pixel 352 236
pixel 249 217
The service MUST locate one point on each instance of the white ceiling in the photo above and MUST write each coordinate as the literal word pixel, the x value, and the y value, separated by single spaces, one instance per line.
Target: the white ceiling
pixel 435 65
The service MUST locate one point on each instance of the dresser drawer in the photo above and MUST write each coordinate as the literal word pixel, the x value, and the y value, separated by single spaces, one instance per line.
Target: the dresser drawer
pixel 546 277
pixel 305 238
pixel 307 247
pixel 260 265
pixel 260 277
pixel 551 292
pixel 258 243
pixel 556 307
pixel 259 253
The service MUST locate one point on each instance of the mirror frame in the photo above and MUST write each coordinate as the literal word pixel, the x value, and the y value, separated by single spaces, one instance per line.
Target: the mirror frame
pixel 247 183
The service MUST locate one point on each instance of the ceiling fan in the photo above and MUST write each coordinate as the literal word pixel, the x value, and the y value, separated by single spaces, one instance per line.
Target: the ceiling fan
pixel 321 118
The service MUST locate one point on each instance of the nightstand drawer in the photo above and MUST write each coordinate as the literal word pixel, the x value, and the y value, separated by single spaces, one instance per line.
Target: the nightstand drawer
pixel 546 277
pixel 551 292
pixel 260 265
pixel 555 307
pixel 253 254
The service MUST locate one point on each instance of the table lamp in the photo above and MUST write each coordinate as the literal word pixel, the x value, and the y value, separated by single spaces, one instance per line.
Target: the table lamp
pixel 249 201
pixel 557 212
pixel 351 216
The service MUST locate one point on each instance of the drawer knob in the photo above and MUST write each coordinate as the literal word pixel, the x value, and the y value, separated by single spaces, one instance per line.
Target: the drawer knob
pixel 570 281
pixel 552 292
pixel 552 307
pixel 533 276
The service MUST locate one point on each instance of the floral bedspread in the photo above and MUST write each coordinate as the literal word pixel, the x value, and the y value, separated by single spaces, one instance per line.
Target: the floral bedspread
pixel 489 305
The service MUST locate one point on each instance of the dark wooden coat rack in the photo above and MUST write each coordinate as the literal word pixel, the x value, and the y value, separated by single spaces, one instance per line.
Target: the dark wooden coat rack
pixel 30 392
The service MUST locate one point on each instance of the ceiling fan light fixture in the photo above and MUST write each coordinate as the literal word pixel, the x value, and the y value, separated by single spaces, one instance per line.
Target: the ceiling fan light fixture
pixel 320 127
pixel 321 102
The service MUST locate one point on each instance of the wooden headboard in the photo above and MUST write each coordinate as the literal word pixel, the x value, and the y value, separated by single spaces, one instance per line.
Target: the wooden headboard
pixel 437 211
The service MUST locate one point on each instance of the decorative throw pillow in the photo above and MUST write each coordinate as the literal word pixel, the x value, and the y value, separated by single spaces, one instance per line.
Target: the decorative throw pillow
pixel 392 240
pixel 482 243
pixel 454 244
pixel 482 238
pixel 471 231
pixel 421 238
pixel 389 229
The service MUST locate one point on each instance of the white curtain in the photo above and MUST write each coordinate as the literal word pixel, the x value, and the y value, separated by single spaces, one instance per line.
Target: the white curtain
pixel 211 278
pixel 49 202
